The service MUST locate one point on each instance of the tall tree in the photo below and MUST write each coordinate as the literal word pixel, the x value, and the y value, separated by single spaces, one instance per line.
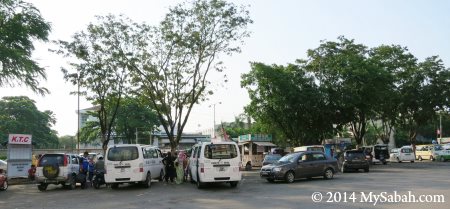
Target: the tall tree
pixel 422 89
pixel 134 116
pixel 20 24
pixel 19 115
pixel 99 67
pixel 351 80
pixel 289 99
pixel 174 59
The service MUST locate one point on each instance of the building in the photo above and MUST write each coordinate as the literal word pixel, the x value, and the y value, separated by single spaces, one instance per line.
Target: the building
pixel 161 140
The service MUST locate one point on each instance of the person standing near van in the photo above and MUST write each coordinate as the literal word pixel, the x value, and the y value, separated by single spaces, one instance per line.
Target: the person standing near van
pixel 168 162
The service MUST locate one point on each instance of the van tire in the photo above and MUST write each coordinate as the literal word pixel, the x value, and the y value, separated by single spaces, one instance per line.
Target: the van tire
pixel 148 181
pixel 398 160
pixel 5 186
pixel 72 184
pixel 419 158
pixel 233 184
pixel 42 187
pixel 431 158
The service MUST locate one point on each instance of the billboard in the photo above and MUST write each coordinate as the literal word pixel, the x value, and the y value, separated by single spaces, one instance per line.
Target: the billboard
pixel 19 155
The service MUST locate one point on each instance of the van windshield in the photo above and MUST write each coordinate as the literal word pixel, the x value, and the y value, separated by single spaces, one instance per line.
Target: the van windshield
pixel 122 153
pixel 220 151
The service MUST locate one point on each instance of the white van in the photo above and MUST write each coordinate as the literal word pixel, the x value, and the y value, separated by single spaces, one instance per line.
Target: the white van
pixel 215 162
pixel 133 163
pixel 404 153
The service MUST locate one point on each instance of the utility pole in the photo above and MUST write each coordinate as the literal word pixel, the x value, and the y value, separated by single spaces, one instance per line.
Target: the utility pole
pixel 136 135
pixel 78 130
pixel 214 118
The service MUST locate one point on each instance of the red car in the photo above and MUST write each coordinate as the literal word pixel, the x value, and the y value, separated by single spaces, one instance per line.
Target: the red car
pixel 3 180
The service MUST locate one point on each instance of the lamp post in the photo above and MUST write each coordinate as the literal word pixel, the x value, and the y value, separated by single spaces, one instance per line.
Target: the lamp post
pixel 78 129
pixel 214 118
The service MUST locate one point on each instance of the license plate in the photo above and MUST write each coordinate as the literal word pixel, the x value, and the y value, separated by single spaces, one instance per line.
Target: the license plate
pixel 122 170
pixel 221 169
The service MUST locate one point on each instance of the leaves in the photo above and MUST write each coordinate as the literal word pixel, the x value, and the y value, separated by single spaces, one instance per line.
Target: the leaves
pixel 21 24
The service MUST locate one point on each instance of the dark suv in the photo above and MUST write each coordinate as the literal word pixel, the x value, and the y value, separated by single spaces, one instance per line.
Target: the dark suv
pixel 57 169
pixel 354 159
pixel 300 165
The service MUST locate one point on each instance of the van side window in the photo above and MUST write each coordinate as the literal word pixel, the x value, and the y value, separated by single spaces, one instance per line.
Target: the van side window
pixel 144 153
pixel 159 153
pixel 198 151
pixel 74 160
pixel 154 153
pixel 194 152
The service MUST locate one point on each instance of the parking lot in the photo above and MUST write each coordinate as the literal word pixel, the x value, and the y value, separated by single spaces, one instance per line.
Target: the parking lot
pixel 420 178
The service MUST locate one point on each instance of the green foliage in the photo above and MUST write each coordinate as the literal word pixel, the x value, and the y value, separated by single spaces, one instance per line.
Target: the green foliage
pixel 100 67
pixel 67 142
pixel 134 114
pixel 172 61
pixel 344 84
pixel 21 24
pixel 287 99
pixel 19 115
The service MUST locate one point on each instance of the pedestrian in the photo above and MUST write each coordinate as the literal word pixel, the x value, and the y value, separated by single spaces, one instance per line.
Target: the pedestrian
pixel 90 169
pixel 180 172
pixel 32 172
pixel 169 165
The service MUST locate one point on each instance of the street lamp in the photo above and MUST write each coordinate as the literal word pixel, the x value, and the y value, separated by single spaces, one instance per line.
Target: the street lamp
pixel 214 116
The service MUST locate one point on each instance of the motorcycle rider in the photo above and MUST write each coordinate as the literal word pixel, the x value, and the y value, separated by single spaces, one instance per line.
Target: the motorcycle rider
pixel 100 165
pixel 99 169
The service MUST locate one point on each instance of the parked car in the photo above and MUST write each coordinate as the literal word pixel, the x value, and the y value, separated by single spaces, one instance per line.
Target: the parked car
pixel 432 152
pixel 270 159
pixel 354 159
pixel 215 162
pixel 377 154
pixel 298 165
pixel 133 163
pixel 3 180
pixel 3 165
pixel 58 169
pixel 404 153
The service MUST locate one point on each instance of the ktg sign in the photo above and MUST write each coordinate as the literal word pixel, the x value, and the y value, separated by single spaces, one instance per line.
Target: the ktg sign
pixel 19 139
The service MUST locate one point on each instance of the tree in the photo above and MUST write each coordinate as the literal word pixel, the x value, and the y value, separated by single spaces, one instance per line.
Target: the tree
pixel 67 142
pixel 288 99
pixel 20 115
pixel 173 60
pixel 390 60
pixel 20 24
pixel 100 68
pixel 353 83
pixel 134 115
pixel 423 92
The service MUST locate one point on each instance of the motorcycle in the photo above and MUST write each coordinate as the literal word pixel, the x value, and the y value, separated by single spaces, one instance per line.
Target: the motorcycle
pixel 99 179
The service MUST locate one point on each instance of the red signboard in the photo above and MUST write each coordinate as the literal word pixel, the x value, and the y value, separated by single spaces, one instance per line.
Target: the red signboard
pixel 19 139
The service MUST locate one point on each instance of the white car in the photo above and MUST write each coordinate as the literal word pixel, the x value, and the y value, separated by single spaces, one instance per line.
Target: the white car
pixel 3 165
pixel 404 153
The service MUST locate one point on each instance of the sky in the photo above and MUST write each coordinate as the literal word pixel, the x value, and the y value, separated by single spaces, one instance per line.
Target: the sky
pixel 283 30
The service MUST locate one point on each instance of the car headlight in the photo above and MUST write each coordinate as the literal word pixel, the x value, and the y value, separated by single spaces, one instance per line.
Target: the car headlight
pixel 276 169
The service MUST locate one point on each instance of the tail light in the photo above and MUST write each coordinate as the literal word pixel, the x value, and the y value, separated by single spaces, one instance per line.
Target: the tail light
pixel 141 167
pixel 66 161
pixel 202 168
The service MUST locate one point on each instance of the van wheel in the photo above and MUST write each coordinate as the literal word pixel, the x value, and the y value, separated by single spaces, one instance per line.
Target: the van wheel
pixel 289 177
pixel 148 181
pixel 398 160
pixel 412 161
pixel 42 187
pixel 5 186
pixel 328 174
pixel 114 186
pixel 233 184
pixel 431 158
pixel 419 158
